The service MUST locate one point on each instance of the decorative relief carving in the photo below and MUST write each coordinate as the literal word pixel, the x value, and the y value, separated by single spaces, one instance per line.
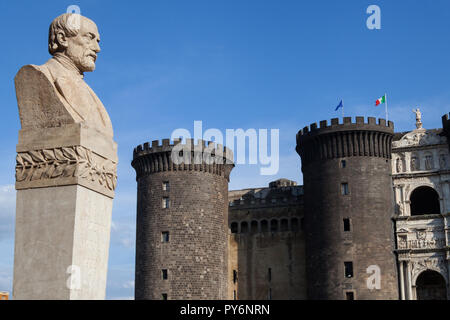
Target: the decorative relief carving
pixel 414 164
pixel 407 188
pixel 443 161
pixel 399 165
pixel 421 234
pixel 75 161
pixel 429 162
pixel 421 244
pixel 436 264
pixel 420 137
pixel 416 182
pixel 423 238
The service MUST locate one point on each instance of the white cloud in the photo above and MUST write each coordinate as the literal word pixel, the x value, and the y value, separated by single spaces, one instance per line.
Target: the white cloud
pixel 6 278
pixel 123 234
pixel 7 197
pixel 7 211
pixel 121 298
pixel 127 242
pixel 128 284
pixel 119 286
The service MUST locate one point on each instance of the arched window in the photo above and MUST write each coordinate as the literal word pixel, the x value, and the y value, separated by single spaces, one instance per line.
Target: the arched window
pixel 254 226
pixel 244 227
pixel 234 227
pixel 274 225
pixel 424 200
pixel 264 226
pixel 284 225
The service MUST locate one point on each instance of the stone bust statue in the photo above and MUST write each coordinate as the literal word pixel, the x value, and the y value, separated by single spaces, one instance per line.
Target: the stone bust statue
pixel 66 170
pixel 55 94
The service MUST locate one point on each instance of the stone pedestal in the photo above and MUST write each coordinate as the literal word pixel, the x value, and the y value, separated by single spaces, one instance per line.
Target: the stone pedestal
pixel 65 181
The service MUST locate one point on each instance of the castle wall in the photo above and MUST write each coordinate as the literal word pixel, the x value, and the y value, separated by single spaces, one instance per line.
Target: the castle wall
pixel 268 255
pixel 223 244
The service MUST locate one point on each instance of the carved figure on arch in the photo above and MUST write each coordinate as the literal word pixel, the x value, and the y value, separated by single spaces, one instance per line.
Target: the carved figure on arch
pixel 429 162
pixel 399 165
pixel 418 118
pixel 414 163
pixel 442 161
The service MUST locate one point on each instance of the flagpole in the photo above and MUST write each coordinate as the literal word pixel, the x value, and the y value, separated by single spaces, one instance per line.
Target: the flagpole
pixel 386 107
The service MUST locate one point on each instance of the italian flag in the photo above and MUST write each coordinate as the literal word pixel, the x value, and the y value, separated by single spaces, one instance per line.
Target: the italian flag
pixel 381 100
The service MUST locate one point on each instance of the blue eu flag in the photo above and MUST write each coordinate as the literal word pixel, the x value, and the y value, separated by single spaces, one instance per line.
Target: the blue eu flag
pixel 341 105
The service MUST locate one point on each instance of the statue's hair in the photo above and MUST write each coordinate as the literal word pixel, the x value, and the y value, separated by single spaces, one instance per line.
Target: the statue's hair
pixel 67 23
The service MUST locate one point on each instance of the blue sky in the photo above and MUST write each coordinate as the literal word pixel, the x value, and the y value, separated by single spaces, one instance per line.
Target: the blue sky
pixel 231 64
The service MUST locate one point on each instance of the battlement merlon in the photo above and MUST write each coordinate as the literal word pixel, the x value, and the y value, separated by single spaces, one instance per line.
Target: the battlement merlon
pixel 446 123
pixel 348 139
pixel 164 146
pixel 347 125
pixel 446 127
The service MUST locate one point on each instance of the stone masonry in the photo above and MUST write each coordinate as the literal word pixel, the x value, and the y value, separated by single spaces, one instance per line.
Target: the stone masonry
pixel 348 208
pixel 182 217
pixel 267 243
pixel 324 240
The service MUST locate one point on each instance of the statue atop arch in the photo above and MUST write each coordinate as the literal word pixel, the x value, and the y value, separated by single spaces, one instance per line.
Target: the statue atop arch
pixel 418 118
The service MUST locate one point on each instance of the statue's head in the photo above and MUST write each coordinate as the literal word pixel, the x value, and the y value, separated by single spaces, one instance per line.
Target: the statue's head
pixel 77 38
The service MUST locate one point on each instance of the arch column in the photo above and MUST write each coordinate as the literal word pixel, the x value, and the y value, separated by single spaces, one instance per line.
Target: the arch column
pixel 409 281
pixel 400 198
pixel 407 207
pixel 448 275
pixel 446 195
pixel 402 281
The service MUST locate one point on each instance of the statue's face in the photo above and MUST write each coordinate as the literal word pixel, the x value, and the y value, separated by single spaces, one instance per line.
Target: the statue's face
pixel 83 48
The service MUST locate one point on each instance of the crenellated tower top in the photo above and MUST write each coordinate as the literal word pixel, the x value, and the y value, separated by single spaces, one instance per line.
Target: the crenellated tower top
pixel 347 139
pixel 177 156
pixel 446 127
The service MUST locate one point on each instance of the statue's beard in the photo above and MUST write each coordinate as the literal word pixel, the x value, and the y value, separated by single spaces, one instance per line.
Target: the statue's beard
pixel 84 62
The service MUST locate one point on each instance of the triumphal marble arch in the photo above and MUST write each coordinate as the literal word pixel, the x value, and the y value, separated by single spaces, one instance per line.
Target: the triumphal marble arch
pixel 421 177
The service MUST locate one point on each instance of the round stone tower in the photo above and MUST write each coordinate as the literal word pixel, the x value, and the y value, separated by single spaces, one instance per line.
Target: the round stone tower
pixel 348 208
pixel 182 218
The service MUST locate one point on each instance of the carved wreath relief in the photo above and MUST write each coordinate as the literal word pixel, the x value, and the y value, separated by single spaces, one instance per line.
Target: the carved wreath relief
pixel 437 264
pixel 75 161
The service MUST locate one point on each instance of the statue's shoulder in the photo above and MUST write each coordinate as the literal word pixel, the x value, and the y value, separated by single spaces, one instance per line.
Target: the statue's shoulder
pixel 40 105
pixel 36 72
pixel 30 70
